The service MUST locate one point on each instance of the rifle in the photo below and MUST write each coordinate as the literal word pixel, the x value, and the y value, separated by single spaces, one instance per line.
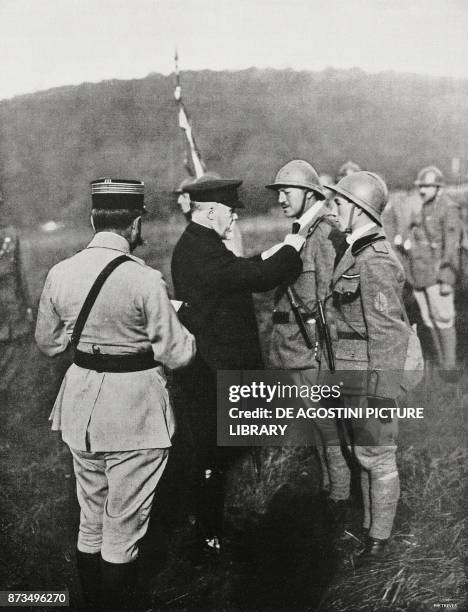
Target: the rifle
pixel 324 332
pixel 304 320
pixel 300 318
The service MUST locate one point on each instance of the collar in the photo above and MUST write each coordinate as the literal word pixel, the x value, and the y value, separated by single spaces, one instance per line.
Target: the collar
pixel 309 215
pixel 201 230
pixel 360 232
pixel 109 240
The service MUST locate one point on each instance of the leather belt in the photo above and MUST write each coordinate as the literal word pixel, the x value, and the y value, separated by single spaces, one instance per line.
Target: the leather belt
pixel 344 335
pixel 115 363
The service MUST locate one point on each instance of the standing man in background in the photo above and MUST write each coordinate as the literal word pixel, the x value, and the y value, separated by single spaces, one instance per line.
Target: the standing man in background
pixel 370 336
pixel 433 252
pixel 113 408
pixel 216 288
pixel 302 198
pixel 15 306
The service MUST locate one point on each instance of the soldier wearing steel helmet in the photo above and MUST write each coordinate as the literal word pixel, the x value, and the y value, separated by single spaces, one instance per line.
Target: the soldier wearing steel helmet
pixel 346 169
pixel 302 198
pixel 183 198
pixel 15 304
pixel 433 252
pixel 370 335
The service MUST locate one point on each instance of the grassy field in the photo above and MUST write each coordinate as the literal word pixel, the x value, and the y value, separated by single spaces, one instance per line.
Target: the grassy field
pixel 279 556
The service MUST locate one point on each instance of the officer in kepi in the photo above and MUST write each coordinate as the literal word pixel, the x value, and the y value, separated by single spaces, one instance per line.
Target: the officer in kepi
pixel 432 248
pixel 371 335
pixel 113 408
pixel 15 306
pixel 216 287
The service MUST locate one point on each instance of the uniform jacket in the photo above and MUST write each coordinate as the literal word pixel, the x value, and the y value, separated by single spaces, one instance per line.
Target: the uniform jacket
pixel 287 348
pixel 435 241
pixel 14 298
pixel 366 310
pixel 104 411
pixel 218 286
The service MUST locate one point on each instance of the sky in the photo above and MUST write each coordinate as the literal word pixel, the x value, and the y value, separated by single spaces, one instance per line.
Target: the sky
pixel 50 43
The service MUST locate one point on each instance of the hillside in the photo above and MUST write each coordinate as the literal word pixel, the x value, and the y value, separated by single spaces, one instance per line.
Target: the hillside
pixel 247 124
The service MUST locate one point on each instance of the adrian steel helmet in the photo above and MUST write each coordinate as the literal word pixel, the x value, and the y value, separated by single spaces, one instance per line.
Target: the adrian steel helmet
pixel 298 173
pixel 365 189
pixel 348 168
pixel 430 176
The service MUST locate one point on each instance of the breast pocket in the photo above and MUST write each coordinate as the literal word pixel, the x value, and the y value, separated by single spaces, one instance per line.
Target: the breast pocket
pixel 347 298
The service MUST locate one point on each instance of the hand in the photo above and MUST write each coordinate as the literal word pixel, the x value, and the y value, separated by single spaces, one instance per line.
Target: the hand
pixel 294 240
pixel 445 289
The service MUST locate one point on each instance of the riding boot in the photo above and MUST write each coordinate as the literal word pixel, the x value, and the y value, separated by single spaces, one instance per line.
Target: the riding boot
pixel 118 585
pixel 89 571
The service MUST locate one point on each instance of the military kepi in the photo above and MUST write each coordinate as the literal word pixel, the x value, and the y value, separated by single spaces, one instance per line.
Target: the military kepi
pixel 223 191
pixel 115 194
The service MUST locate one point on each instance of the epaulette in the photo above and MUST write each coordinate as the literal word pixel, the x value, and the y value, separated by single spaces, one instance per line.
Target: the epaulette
pixel 329 219
pixel 362 243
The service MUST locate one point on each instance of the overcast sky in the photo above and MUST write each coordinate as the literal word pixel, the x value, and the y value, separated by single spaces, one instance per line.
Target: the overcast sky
pixel 48 43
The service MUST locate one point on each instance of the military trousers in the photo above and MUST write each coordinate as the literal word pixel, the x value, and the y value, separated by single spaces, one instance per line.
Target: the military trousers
pixel 436 310
pixel 115 491
pixel 374 444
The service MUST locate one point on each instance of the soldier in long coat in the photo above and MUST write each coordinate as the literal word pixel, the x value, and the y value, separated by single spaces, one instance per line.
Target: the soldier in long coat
pixel 302 198
pixel 433 251
pixel 15 305
pixel 216 288
pixel 372 336
pixel 113 409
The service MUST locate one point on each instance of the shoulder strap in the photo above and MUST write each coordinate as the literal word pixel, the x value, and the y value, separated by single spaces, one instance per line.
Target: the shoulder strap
pixel 92 295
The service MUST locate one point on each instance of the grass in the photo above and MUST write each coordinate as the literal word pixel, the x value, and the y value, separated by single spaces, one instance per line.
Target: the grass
pixel 281 559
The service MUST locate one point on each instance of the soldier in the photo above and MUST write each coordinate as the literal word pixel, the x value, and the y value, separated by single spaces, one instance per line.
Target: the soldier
pixel 301 196
pixel 183 199
pixel 113 408
pixel 15 306
pixel 346 169
pixel 216 287
pixel 433 252
pixel 371 336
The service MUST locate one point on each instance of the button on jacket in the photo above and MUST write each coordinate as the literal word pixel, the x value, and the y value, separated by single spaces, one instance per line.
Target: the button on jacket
pixel 103 411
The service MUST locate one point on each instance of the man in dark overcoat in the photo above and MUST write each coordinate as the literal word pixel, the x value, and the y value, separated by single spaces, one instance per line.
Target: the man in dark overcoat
pixel 216 287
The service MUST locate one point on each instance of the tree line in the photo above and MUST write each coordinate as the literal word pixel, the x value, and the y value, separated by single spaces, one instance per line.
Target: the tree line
pixel 247 124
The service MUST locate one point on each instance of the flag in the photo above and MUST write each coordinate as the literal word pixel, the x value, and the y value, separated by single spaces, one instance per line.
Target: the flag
pixel 193 161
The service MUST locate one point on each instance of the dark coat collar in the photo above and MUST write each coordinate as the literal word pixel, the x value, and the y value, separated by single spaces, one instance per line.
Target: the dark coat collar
pixel 200 231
